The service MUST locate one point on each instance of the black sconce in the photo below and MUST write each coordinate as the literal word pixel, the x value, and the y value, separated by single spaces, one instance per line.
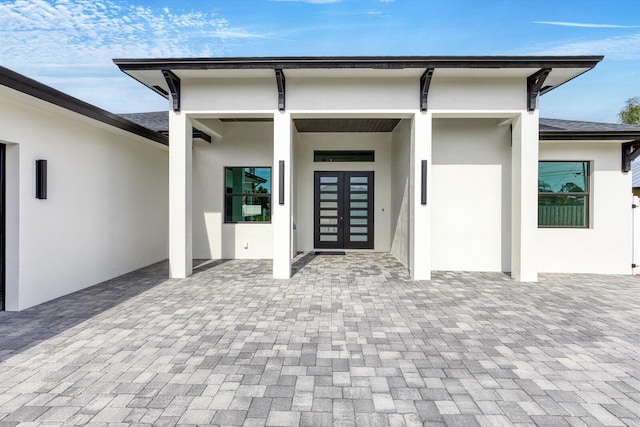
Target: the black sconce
pixel 281 182
pixel 423 195
pixel 41 179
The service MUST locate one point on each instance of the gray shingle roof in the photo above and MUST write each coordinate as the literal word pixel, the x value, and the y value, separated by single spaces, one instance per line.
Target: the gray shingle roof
pixel 155 120
pixel 578 126
pixel 159 122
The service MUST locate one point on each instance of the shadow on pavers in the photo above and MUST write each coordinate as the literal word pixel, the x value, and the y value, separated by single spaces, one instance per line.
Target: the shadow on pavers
pixel 22 330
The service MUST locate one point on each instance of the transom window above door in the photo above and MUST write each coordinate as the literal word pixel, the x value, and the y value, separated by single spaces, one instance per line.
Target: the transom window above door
pixel 344 156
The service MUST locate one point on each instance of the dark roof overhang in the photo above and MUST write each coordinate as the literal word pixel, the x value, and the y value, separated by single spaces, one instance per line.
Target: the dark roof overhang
pixel 33 88
pixel 622 136
pixel 375 62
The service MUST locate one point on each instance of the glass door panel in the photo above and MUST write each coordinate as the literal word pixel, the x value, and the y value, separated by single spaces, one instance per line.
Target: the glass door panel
pixel 344 210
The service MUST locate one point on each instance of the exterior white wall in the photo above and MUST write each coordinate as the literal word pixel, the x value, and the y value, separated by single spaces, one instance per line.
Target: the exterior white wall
pixel 244 144
pixel 282 207
pixel 524 198
pixel 399 210
pixel 107 207
pixel 471 195
pixel 352 94
pixel 228 94
pixel 304 176
pixel 477 94
pixel 419 213
pixel 604 247
pixel 180 195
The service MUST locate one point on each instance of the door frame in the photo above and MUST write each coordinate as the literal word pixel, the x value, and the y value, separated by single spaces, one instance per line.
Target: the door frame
pixel 343 201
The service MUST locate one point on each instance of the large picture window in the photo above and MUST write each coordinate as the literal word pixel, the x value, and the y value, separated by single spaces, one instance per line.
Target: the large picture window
pixel 247 194
pixel 563 194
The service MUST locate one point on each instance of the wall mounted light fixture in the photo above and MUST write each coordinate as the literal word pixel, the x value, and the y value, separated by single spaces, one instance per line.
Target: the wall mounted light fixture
pixel 41 179
pixel 423 194
pixel 281 183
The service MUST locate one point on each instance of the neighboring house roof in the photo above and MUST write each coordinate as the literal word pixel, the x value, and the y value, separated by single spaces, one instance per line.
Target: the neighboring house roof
pixel 31 87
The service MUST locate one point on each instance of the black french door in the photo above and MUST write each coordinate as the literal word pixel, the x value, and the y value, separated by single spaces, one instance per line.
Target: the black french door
pixel 343 210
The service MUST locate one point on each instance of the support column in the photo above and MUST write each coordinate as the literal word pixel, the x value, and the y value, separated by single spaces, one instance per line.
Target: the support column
pixel 524 197
pixel 180 196
pixel 420 214
pixel 281 214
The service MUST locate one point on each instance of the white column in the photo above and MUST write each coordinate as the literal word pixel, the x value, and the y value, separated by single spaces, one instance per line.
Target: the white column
pixel 524 198
pixel 15 185
pixel 281 215
pixel 180 208
pixel 420 215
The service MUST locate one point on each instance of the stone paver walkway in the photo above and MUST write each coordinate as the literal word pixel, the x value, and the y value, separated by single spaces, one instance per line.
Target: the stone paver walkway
pixel 349 340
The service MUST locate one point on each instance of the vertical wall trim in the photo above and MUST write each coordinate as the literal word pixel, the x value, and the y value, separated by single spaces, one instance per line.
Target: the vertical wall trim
pixel 3 200
pixel 281 183
pixel 423 194
pixel 41 179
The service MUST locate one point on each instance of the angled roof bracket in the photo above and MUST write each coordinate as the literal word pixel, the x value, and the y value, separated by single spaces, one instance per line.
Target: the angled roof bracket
pixel 173 82
pixel 425 82
pixel 630 151
pixel 201 135
pixel 534 87
pixel 281 88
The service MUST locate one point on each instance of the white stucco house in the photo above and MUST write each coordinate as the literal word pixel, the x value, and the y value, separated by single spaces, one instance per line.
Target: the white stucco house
pixel 441 161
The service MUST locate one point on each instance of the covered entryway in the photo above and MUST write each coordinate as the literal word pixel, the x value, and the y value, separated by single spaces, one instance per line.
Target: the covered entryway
pixel 343 210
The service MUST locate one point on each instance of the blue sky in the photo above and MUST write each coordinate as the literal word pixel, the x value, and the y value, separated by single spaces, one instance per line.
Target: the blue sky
pixel 69 44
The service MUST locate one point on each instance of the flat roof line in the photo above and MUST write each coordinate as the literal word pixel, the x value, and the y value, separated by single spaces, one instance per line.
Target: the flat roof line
pixel 378 62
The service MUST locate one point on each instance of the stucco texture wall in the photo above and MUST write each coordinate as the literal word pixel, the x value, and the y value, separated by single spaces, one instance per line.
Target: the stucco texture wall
pixel 605 246
pixel 107 208
pixel 400 165
pixel 243 144
pixel 471 195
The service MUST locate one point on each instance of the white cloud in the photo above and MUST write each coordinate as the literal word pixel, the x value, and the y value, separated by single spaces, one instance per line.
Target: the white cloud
pixel 619 47
pixel 579 24
pixel 69 44
pixel 84 32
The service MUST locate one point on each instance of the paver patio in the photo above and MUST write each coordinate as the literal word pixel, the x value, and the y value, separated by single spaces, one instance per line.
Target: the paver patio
pixel 349 340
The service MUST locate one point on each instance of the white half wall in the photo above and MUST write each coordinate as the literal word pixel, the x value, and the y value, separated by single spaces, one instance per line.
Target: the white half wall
pixel 305 167
pixel 244 144
pixel 471 195
pixel 107 208
pixel 604 247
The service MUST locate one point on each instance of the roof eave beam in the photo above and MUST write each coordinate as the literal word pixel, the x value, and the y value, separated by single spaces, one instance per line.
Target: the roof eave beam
pixel 201 135
pixel 280 82
pixel 630 151
pixel 173 82
pixel 534 87
pixel 425 83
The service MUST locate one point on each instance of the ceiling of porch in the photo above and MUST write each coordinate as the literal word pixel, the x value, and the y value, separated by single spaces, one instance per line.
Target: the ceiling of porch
pixel 346 125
